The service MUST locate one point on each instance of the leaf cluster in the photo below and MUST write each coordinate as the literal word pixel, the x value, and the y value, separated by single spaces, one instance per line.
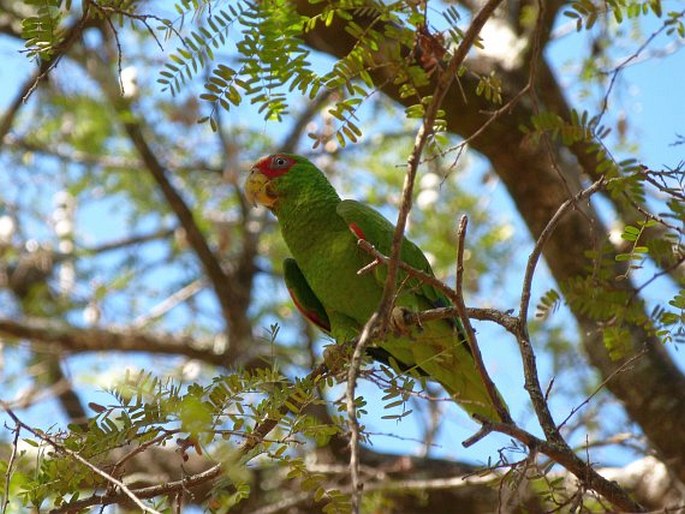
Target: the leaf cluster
pixel 586 13
pixel 43 30
pixel 269 37
pixel 214 419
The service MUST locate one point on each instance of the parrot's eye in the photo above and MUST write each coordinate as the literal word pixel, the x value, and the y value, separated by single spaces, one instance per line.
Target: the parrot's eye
pixel 280 162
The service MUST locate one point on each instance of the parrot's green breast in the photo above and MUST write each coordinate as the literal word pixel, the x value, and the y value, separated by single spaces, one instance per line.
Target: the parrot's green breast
pixel 330 259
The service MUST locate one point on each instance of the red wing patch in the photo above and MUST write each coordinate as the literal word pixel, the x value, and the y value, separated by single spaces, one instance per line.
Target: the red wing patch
pixel 311 315
pixel 357 231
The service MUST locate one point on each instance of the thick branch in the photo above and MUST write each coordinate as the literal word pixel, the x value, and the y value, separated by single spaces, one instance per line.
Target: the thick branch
pixel 231 301
pixel 78 340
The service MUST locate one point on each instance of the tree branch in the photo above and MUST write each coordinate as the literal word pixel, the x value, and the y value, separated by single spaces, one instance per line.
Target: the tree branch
pixel 79 340
pixel 231 302
pixel 495 398
pixel 653 392
pixel 71 36
pixel 532 382
pixel 445 80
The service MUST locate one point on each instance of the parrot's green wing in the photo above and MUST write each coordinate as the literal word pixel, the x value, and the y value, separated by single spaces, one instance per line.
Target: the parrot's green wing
pixel 366 223
pixel 438 348
pixel 311 308
pixel 304 298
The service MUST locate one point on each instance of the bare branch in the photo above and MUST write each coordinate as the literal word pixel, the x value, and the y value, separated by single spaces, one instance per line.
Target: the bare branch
pixel 544 237
pixel 144 492
pixel 422 136
pixel 555 447
pixel 170 302
pixel 496 399
pixel 383 311
pixel 502 318
pixel 10 466
pixel 131 241
pixel 532 381
pixel 627 364
pixel 618 69
pixel 351 408
pixel 218 278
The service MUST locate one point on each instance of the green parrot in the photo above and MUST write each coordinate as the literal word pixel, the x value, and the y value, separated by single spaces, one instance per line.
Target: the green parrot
pixel 321 231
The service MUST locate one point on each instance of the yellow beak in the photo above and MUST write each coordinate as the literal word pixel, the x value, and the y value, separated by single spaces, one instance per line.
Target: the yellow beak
pixel 258 189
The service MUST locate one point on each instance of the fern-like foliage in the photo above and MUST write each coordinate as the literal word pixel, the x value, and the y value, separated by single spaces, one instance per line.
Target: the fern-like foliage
pixel 212 418
pixel 43 30
pixel 602 294
pixel 274 61
pixel 586 13
pixel 675 24
pixel 580 128
pixel 548 304
pixel 198 47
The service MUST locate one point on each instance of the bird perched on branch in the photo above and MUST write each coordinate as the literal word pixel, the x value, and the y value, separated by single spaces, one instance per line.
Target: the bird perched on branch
pixel 322 232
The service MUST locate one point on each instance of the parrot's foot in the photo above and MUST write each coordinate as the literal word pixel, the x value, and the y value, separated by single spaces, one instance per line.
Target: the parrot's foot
pixel 336 356
pixel 402 320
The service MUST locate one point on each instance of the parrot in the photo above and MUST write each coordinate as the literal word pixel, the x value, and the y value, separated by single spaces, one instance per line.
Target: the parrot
pixel 322 231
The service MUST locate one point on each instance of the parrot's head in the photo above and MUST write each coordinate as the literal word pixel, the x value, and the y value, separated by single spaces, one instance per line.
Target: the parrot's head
pixel 282 177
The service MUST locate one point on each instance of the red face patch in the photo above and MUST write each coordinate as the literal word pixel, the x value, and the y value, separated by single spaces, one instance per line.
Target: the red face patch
pixel 275 165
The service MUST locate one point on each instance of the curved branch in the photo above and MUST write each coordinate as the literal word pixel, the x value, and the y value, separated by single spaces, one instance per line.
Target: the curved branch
pixel 232 302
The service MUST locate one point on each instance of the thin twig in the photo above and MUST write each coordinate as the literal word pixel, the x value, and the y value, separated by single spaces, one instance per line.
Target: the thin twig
pixel 495 398
pixel 504 319
pixel 563 455
pixel 10 465
pixel 130 241
pixel 252 440
pixel 144 492
pixel 223 284
pixel 616 72
pixel 494 116
pixel 170 302
pixel 71 36
pixel 352 372
pixel 620 369
pixel 535 61
pixel 387 485
pixel 545 236
pixel 532 381
pixel 422 136
pixel 141 448
pixel 385 306
pixel 560 451
pixel 94 339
